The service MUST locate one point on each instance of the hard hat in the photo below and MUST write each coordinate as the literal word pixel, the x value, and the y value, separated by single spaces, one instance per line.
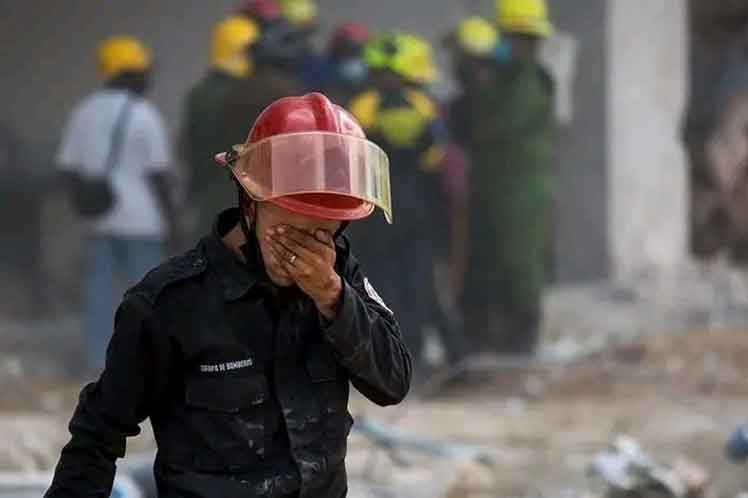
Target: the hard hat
pixel 121 54
pixel 351 35
pixel 300 13
pixel 529 17
pixel 380 49
pixel 476 36
pixel 231 38
pixel 404 54
pixel 416 62
pixel 312 157
pixel 263 12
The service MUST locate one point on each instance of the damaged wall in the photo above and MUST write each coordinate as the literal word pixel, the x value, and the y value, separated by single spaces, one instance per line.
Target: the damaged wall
pixel 715 129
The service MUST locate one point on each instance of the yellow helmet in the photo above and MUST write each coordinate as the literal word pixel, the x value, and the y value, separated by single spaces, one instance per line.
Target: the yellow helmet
pixel 300 12
pixel 477 36
pixel 529 17
pixel 231 38
pixel 416 63
pixel 120 54
pixel 404 54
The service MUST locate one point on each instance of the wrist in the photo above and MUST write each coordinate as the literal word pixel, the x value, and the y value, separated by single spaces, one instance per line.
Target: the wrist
pixel 329 303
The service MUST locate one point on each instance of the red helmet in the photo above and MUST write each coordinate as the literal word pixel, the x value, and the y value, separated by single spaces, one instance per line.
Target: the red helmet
pixel 311 156
pixel 350 34
pixel 263 11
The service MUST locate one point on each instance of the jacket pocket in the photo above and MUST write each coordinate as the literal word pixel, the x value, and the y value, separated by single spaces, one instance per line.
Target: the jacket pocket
pixel 226 419
pixel 229 395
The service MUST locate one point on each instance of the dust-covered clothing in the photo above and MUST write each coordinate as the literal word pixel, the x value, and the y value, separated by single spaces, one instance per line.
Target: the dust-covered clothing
pixel 246 385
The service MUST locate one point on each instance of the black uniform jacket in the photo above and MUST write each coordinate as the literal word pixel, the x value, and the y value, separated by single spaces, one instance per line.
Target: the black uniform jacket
pixel 246 385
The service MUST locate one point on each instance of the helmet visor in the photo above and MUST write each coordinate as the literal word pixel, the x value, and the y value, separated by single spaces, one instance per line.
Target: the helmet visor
pixel 314 163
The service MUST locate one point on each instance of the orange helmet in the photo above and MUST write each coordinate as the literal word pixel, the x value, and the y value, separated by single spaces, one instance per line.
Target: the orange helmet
pixel 312 157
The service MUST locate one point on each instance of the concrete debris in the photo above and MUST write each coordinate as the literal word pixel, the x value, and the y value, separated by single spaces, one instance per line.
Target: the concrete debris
pixel 585 319
pixel 471 478
pixel 628 471
pixel 694 476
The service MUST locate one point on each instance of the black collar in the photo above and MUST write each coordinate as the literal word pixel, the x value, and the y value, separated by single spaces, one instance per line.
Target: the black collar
pixel 236 277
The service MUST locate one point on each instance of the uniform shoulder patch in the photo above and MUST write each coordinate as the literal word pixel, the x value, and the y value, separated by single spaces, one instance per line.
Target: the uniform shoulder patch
pixel 373 294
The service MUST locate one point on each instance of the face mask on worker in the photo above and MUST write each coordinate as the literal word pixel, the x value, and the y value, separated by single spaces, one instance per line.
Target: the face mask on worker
pixel 503 51
pixel 353 70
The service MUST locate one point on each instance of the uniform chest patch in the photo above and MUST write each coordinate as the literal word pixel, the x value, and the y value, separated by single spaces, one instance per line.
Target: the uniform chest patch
pixel 372 293
pixel 226 366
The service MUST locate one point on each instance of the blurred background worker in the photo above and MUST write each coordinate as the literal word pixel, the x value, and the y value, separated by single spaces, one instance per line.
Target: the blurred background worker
pixel 474 47
pixel 274 77
pixel 116 160
pixel 203 131
pixel 404 121
pixel 346 70
pixel 509 128
pixel 303 17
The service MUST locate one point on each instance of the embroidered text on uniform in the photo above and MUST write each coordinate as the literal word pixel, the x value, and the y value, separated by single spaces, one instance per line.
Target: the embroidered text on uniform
pixel 225 367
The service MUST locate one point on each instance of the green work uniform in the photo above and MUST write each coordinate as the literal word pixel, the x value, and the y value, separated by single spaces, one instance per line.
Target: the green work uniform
pixel 511 137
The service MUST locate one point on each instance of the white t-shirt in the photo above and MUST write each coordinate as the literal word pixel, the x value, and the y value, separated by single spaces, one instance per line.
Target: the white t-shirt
pixel 144 150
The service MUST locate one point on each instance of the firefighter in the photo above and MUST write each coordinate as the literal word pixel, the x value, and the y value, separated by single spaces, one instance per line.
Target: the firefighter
pixel 241 350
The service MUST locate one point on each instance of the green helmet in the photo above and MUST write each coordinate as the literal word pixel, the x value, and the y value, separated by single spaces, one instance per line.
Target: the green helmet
pixel 404 54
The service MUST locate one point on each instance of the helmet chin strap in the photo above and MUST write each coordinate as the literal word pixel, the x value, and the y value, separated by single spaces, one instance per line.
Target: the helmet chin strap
pixel 251 248
pixel 341 229
pixel 244 204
